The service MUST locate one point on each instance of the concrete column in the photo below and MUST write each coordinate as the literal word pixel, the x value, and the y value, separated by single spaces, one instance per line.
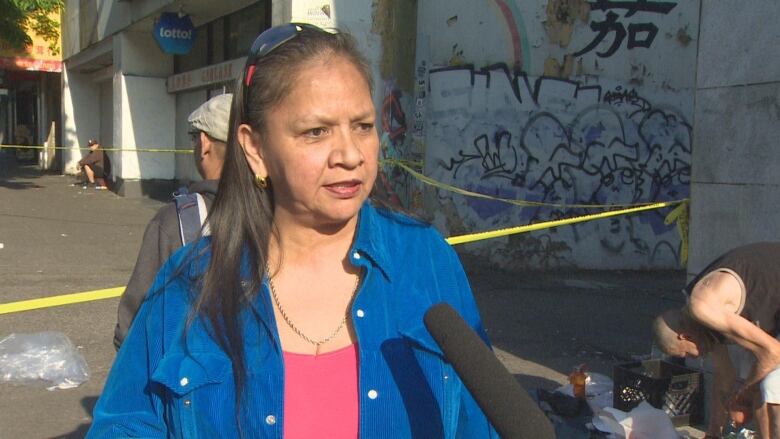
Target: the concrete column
pixel 736 130
pixel 737 126
pixel 185 163
pixel 80 102
pixel 144 116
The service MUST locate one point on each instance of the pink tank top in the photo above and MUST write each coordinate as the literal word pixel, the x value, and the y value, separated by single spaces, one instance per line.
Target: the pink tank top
pixel 321 394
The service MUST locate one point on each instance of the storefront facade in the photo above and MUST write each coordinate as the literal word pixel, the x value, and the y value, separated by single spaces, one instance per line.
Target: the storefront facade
pixel 120 86
pixel 29 96
pixel 211 68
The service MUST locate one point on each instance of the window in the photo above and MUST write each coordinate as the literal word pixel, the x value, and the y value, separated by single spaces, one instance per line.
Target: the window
pixel 197 57
pixel 217 43
pixel 243 27
pixel 225 38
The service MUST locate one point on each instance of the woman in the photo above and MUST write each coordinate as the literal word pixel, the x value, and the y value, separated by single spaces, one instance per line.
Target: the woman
pixel 302 314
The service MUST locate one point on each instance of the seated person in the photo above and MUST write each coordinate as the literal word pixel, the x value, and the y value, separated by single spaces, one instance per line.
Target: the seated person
pixel 93 166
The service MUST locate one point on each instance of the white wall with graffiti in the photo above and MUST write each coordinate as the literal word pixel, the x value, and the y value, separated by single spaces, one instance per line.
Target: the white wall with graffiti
pixel 562 102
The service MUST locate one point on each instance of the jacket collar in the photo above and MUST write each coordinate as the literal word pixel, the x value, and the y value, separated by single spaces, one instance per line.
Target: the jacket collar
pixel 371 240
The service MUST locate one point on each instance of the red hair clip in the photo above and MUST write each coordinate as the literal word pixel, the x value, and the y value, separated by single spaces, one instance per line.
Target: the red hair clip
pixel 249 73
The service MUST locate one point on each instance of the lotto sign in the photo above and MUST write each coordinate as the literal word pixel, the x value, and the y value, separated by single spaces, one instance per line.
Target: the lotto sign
pixel 175 34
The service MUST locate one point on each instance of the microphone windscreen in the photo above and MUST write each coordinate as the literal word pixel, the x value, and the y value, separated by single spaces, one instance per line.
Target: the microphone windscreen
pixel 508 407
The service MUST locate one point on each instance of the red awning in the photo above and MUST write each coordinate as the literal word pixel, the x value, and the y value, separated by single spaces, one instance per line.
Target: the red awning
pixel 23 63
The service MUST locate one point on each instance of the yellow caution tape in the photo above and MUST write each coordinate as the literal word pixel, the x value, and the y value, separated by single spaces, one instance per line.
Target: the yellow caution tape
pixel 462 239
pixel 522 203
pixel 67 299
pixel 680 216
pixel 64 299
pixel 175 151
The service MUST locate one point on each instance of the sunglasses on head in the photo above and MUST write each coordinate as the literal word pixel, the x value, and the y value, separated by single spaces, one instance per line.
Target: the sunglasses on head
pixel 269 40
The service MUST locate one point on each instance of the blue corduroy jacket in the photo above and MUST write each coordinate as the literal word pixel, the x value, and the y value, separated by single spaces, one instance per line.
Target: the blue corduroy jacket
pixel 167 384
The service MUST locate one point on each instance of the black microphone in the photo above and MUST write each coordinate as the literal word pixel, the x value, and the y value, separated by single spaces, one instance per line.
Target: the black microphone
pixel 506 404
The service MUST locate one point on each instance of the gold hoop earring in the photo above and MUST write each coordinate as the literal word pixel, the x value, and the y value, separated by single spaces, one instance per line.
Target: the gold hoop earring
pixel 261 182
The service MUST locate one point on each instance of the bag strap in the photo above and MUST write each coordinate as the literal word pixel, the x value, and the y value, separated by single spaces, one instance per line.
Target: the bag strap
pixel 204 213
pixel 191 210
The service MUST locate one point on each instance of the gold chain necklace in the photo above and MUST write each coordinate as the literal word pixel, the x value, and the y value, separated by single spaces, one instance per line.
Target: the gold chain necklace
pixel 316 343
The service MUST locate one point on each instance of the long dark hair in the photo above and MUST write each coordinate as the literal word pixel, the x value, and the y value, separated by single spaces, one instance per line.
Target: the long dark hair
pixel 241 217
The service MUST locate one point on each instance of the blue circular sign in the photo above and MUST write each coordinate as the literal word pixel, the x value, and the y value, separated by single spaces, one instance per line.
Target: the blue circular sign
pixel 175 34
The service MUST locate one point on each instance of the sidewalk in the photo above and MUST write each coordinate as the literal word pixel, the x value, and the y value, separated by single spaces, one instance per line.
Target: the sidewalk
pixel 61 239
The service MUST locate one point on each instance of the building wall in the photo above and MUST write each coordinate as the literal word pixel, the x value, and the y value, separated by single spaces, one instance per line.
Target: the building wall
pixel 734 184
pixel 354 16
pixel 186 103
pixel 70 28
pixel 512 101
pixel 106 132
pixel 147 118
pixel 80 106
pixel 147 112
pixel 110 46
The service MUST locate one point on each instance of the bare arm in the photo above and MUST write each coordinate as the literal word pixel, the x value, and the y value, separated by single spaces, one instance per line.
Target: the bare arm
pixel 713 304
pixel 88 159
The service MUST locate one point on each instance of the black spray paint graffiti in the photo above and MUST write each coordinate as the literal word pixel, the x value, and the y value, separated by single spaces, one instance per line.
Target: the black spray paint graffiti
pixel 593 148
pixel 615 147
pixel 619 96
pixel 552 158
pixel 498 157
pixel 639 34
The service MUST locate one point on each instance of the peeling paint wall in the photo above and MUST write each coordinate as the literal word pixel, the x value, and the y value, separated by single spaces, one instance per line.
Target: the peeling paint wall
pixel 563 102
pixel 395 22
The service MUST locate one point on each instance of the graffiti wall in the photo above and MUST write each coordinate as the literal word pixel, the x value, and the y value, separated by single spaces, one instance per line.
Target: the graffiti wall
pixel 560 102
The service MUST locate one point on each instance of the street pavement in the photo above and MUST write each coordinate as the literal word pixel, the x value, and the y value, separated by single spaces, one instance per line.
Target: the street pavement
pixel 58 239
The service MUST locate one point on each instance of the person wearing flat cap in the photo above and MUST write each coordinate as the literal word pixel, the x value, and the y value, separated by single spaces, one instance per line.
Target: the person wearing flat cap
pixel 164 235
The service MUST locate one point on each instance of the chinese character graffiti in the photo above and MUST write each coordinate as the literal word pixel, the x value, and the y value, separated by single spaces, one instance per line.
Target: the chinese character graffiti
pixel 639 34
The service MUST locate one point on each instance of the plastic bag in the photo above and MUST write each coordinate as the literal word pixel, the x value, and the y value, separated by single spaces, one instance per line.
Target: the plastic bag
pixel 742 434
pixel 42 357
pixel 642 422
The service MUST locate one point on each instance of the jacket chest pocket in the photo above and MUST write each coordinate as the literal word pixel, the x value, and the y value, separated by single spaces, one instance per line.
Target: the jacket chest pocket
pixel 442 381
pixel 198 394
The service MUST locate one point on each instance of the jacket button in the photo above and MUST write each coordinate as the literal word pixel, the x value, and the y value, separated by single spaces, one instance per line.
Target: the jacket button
pixel 270 419
pixel 356 255
pixel 372 394
pixel 184 381
pixel 360 313
pixel 187 403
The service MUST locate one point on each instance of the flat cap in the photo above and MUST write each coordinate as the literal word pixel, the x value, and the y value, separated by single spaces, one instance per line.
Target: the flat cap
pixel 213 116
